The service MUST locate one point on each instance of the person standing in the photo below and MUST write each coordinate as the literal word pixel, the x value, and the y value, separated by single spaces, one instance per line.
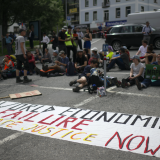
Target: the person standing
pixel 70 44
pixel 9 42
pixel 100 30
pixel 20 52
pixel 54 41
pixel 87 40
pixel 147 31
pixel 80 37
pixel 61 39
pixel 45 41
pixel 31 37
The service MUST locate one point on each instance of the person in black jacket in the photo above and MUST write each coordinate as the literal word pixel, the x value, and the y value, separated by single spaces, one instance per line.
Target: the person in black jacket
pixel 54 41
pixel 31 36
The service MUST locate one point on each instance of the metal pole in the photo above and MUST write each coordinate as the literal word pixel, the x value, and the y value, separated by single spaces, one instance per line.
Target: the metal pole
pixel 66 12
pixel 105 70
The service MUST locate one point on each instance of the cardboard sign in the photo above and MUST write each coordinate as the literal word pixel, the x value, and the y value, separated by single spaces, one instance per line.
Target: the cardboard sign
pixel 152 72
pixel 119 131
pixel 25 94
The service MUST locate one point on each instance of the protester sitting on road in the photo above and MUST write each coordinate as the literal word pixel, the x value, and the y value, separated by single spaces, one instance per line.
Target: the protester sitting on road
pixel 122 61
pixel 46 57
pixel 95 54
pixel 143 50
pixel 147 82
pixel 150 56
pixel 55 57
pixel 8 62
pixel 81 61
pixel 60 65
pixel 84 77
pixel 85 51
pixel 136 72
pixel 126 51
pixel 31 62
pixel 37 55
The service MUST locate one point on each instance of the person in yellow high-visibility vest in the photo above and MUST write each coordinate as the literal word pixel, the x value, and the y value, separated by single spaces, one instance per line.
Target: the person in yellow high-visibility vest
pixel 70 44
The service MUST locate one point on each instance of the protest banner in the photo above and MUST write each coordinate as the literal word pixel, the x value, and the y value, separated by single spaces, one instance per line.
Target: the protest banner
pixel 119 131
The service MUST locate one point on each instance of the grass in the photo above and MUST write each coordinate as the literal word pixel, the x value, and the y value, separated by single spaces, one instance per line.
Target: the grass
pixel 27 47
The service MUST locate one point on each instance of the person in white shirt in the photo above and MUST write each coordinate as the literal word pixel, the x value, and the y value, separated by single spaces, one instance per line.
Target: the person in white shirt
pixel 80 37
pixel 143 50
pixel 147 31
pixel 45 41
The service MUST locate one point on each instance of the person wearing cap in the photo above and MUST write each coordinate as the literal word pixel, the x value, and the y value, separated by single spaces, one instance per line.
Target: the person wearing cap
pixel 149 82
pixel 61 39
pixel 147 31
pixel 60 66
pixel 122 61
pixel 81 61
pixel 70 43
pixel 136 72
pixel 80 37
pixel 20 52
pixel 55 57
pixel 45 42
pixel 95 54
pixel 9 42
pixel 31 62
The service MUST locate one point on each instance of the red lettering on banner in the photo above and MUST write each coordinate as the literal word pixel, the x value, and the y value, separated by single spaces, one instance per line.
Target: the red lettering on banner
pixel 6 111
pixel 69 119
pixel 25 116
pixel 119 140
pixel 138 146
pixel 15 114
pixel 40 128
pixel 18 95
pixel 28 119
pixel 33 93
pixel 28 94
pixel 60 129
pixel 81 123
pixel 42 121
pixel 146 148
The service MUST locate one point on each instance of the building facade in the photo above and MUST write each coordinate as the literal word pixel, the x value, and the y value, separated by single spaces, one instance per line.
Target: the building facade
pixel 112 12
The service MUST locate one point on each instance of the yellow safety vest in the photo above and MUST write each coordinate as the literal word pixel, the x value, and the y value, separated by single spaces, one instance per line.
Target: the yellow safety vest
pixel 69 43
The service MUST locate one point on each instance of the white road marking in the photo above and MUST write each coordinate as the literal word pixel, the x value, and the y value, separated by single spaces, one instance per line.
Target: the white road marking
pixel 11 137
pixel 96 41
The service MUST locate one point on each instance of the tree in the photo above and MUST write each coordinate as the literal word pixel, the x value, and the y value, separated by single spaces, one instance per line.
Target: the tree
pixel 49 12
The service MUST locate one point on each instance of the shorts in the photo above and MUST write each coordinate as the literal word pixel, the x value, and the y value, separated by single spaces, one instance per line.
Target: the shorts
pixel 87 44
pixel 62 69
pixel 20 60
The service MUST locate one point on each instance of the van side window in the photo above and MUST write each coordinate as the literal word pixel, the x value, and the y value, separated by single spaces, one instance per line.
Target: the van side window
pixel 137 28
pixel 115 30
pixel 126 29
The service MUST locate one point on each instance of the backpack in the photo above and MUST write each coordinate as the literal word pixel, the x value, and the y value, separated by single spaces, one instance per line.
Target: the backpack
pixel 71 69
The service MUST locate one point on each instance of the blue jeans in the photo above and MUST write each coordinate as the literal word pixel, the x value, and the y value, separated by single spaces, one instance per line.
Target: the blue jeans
pixel 118 62
pixel 148 82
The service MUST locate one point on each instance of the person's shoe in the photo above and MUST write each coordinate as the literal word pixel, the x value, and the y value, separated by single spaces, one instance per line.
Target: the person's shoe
pixel 45 68
pixel 26 80
pixel 116 82
pixel 76 89
pixel 124 83
pixel 37 71
pixel 18 80
pixel 72 83
pixel 138 84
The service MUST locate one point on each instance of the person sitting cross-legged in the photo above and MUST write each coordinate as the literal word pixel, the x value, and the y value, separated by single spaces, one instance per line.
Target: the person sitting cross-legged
pixel 81 61
pixel 84 77
pixel 37 56
pixel 122 61
pixel 60 66
pixel 55 57
pixel 46 57
pixel 31 62
pixel 136 72
pixel 147 82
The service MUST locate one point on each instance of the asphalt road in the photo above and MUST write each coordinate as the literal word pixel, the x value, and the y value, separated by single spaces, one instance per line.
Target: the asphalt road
pixel 32 147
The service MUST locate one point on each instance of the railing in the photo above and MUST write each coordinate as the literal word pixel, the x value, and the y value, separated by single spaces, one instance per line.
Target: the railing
pixel 105 5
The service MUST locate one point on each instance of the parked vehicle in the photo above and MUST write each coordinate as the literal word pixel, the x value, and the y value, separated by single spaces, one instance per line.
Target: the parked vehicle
pixel 106 32
pixel 130 35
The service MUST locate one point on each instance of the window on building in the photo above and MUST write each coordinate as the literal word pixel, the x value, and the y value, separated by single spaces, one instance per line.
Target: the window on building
pixel 128 11
pixel 86 3
pixel 118 13
pixel 118 0
pixel 94 2
pixel 155 1
pixel 106 15
pixel 86 16
pixel 142 9
pixel 95 15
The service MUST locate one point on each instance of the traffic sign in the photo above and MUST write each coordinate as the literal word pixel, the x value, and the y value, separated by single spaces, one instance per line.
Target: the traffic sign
pixel 68 18
pixel 105 47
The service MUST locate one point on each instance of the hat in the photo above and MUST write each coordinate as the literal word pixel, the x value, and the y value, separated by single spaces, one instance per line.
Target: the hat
pixel 124 47
pixel 135 57
pixel 65 27
pixel 79 50
pixel 61 52
pixel 8 56
pixel 55 51
pixel 110 47
pixel 62 28
pixel 94 49
pixel 69 27
pixel 21 30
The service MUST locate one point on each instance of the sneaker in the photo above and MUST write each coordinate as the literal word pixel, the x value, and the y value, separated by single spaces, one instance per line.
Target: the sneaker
pixel 124 83
pixel 72 83
pixel 116 82
pixel 45 68
pixel 18 80
pixel 26 80
pixel 76 89
pixel 138 84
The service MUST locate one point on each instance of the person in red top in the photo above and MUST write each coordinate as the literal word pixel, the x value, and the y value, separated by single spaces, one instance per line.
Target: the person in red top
pixel 31 61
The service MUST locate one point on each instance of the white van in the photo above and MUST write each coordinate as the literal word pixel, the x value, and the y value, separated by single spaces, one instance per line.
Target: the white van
pixel 142 17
